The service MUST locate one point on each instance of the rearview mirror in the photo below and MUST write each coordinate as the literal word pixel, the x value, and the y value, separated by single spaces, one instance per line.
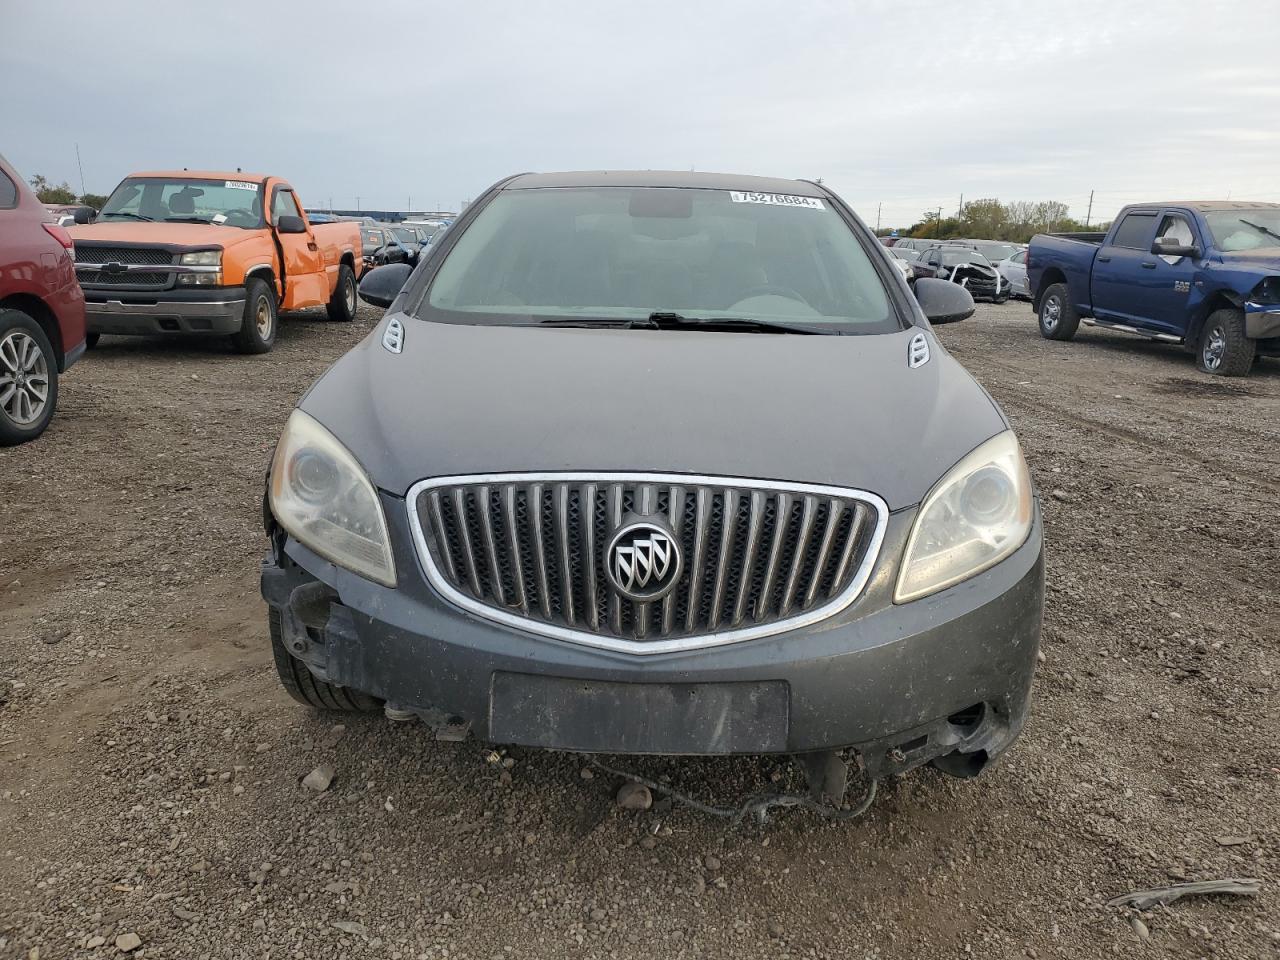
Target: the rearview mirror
pixel 381 285
pixel 287 224
pixel 943 301
pixel 1165 247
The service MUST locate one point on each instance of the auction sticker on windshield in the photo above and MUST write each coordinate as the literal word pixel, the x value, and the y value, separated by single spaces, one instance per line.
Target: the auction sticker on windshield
pixel 242 185
pixel 777 199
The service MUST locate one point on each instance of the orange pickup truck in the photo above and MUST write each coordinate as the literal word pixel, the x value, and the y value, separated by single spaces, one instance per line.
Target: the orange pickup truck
pixel 189 252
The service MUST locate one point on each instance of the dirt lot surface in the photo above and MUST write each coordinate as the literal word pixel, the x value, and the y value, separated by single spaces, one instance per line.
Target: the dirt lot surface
pixel 150 763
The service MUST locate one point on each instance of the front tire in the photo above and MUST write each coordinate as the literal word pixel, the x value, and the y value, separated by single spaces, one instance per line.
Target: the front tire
pixel 1223 348
pixel 28 379
pixel 1057 316
pixel 257 333
pixel 304 686
pixel 91 340
pixel 342 305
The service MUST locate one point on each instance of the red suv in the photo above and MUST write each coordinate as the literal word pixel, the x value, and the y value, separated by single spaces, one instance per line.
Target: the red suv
pixel 41 310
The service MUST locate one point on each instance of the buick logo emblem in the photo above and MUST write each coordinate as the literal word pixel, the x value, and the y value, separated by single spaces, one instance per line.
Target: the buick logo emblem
pixel 643 561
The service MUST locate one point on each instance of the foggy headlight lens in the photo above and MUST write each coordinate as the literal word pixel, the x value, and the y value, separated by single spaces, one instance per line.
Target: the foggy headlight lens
pixel 202 258
pixel 977 515
pixel 324 499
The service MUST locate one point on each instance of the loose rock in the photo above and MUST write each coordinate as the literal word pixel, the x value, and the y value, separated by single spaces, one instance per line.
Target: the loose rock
pixel 634 796
pixel 319 778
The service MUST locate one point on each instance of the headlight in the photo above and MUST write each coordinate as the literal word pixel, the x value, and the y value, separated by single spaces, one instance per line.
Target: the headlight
pixel 202 258
pixel 324 499
pixel 203 278
pixel 1268 291
pixel 976 515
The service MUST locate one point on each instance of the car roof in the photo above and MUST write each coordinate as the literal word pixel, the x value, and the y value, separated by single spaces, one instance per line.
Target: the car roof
pixel 665 178
pixel 202 175
pixel 1208 204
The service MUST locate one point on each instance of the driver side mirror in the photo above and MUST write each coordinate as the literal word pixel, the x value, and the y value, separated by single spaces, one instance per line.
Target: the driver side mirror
pixel 289 224
pixel 381 285
pixel 1166 247
pixel 943 301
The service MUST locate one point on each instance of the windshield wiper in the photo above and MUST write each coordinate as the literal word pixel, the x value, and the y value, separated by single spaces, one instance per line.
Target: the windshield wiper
pixel 1260 227
pixel 666 320
pixel 132 216
pixel 186 220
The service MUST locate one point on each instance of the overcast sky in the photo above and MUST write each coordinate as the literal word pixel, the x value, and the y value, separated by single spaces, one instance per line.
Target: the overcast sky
pixel 905 103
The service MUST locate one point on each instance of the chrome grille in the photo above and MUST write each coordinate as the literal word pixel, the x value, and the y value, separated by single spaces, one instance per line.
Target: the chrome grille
pixel 759 557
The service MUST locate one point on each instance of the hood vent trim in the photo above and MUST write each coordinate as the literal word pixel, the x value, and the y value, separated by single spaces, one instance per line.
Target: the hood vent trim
pixel 918 351
pixel 393 337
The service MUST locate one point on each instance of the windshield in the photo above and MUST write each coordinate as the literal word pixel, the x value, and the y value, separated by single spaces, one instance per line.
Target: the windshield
pixel 231 203
pixel 404 236
pixel 997 251
pixel 905 254
pixel 619 253
pixel 951 257
pixel 1245 229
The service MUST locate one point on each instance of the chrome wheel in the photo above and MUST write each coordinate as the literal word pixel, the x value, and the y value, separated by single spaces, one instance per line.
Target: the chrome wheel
pixel 349 295
pixel 1214 349
pixel 262 318
pixel 24 378
pixel 1051 313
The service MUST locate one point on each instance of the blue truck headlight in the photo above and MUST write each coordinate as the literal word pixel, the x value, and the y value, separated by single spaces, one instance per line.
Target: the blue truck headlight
pixel 321 495
pixel 1268 291
pixel 975 516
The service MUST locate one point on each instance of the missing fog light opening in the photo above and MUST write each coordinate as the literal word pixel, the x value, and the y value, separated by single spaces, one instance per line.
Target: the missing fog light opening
pixel 969 717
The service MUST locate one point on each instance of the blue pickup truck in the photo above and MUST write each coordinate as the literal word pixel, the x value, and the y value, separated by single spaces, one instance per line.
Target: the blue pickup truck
pixel 1205 274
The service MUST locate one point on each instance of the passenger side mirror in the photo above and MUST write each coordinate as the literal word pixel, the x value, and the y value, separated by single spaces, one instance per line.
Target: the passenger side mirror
pixel 943 301
pixel 82 215
pixel 1165 247
pixel 381 285
pixel 287 224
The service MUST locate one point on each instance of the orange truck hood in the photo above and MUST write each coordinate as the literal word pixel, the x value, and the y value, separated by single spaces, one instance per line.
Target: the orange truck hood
pixel 183 234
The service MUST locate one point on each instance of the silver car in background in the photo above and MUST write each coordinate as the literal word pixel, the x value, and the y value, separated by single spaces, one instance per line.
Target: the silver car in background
pixel 1014 271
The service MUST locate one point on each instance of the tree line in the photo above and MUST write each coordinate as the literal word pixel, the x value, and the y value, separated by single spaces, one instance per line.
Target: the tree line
pixel 47 192
pixel 989 219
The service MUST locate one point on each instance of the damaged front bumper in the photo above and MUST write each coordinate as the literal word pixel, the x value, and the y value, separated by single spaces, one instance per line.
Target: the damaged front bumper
pixel 944 679
pixel 1261 320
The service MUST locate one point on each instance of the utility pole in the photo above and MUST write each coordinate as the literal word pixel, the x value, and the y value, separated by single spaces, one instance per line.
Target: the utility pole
pixel 878 206
pixel 81 166
pixel 960 212
pixel 938 229
pixel 357 204
pixel 1089 216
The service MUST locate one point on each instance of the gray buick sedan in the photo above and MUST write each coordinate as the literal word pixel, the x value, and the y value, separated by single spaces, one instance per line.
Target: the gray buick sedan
pixel 660 463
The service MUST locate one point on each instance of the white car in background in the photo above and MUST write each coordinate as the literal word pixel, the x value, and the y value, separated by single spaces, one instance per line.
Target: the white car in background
pixel 903 260
pixel 1014 271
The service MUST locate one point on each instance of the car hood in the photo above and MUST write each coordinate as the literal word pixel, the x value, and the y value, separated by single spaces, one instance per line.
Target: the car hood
pixel 1268 257
pixel 181 234
pixel 843 411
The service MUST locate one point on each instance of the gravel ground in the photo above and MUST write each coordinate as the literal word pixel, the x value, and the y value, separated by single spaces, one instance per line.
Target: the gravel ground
pixel 150 765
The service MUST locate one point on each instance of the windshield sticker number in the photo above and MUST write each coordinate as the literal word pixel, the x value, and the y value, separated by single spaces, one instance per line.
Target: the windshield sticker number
pixel 776 199
pixel 242 185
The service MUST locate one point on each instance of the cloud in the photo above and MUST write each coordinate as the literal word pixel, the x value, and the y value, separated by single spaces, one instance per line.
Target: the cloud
pixel 905 104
